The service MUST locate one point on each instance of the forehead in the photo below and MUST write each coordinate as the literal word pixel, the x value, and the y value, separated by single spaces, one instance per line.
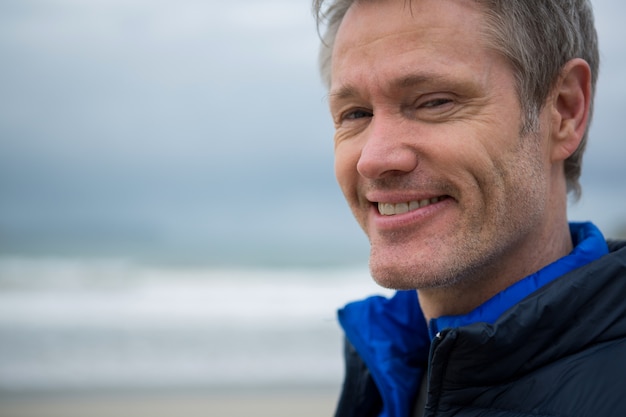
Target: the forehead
pixel 393 16
pixel 379 36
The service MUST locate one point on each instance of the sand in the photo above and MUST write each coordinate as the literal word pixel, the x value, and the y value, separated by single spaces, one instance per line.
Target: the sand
pixel 274 404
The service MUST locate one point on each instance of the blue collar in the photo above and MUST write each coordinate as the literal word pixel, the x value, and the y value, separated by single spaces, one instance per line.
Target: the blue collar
pixel 589 245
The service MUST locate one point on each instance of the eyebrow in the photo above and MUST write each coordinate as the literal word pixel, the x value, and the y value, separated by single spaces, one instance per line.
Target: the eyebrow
pixel 411 80
pixel 344 92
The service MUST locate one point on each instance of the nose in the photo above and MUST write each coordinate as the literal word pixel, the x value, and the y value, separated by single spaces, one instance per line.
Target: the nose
pixel 387 150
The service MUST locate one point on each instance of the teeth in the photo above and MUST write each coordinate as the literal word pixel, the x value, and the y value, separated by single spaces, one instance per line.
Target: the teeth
pixel 402 208
pixel 388 209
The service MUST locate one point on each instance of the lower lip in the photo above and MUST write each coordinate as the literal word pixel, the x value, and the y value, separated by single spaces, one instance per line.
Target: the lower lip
pixel 410 218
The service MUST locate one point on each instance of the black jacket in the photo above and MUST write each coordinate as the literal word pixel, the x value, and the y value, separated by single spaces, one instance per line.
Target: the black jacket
pixel 561 352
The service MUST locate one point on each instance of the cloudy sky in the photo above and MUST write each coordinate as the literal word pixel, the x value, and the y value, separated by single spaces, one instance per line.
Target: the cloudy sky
pixel 196 130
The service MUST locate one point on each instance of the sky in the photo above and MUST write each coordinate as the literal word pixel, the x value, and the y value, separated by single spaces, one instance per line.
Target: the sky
pixel 198 132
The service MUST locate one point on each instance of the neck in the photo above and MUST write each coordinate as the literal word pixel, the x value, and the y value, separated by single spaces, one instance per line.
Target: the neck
pixel 480 285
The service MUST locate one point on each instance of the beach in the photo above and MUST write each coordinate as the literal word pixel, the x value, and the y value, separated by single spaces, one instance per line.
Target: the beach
pixel 266 404
pixel 92 339
pixel 263 404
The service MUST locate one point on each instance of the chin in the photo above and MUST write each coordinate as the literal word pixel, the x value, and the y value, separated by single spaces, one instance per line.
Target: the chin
pixel 397 277
pixel 405 274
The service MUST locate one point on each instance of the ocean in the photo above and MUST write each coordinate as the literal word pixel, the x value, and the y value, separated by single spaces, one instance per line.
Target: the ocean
pixel 74 325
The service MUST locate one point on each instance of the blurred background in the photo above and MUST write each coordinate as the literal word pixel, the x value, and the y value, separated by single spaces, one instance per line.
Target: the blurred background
pixel 172 240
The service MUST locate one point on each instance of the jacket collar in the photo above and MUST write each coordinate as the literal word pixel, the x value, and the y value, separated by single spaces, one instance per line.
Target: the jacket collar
pixel 584 307
pixel 589 245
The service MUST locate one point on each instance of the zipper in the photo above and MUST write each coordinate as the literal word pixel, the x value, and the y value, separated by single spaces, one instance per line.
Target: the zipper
pixel 434 380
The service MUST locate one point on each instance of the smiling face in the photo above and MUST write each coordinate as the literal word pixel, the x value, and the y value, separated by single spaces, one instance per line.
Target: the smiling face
pixel 428 150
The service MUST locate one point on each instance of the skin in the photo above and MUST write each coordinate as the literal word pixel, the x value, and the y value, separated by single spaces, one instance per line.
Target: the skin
pixel 424 109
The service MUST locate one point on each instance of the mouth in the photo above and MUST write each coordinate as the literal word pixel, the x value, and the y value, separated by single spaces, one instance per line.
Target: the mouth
pixel 393 209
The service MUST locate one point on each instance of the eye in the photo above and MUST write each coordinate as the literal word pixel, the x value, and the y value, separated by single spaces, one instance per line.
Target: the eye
pixel 438 102
pixel 357 114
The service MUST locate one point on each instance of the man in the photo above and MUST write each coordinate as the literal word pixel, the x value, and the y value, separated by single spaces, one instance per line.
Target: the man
pixel 460 128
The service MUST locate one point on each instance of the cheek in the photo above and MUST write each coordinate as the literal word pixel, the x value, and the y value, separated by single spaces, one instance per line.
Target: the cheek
pixel 345 168
pixel 511 181
pixel 346 159
pixel 468 163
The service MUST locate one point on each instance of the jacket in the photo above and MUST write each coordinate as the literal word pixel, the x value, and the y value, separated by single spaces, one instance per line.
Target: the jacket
pixel 559 351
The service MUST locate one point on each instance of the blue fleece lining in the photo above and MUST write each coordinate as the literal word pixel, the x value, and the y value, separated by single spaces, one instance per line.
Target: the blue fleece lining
pixel 393 340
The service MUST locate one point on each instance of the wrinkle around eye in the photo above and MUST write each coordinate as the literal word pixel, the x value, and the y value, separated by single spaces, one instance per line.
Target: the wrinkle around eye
pixel 351 128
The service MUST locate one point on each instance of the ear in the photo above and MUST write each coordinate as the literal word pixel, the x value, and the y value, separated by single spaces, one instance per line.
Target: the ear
pixel 570 100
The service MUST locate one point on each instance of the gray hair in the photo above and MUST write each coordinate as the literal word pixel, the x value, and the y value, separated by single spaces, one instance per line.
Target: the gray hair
pixel 538 37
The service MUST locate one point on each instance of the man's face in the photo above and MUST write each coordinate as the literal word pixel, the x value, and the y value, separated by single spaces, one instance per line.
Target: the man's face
pixel 427 144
